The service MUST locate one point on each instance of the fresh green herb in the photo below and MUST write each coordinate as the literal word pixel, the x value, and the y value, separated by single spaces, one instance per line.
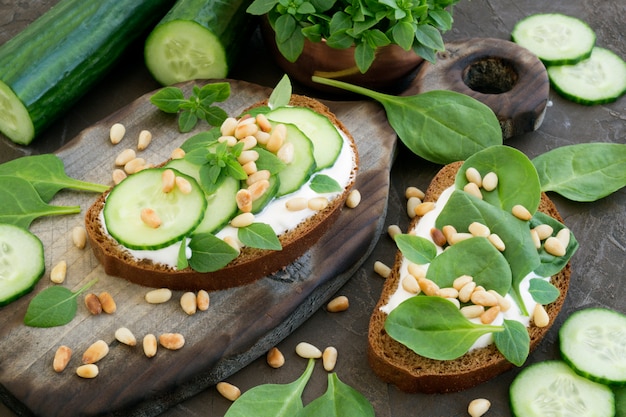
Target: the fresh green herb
pixel 272 400
pixel 220 164
pixel 542 291
pixel 550 264
pixel 440 126
pixel 209 253
pixel 416 248
pixel 281 95
pixel 197 107
pixel 260 236
pixel 181 261
pixel 339 400
pixel 269 161
pixel 324 184
pixel 200 141
pixel 21 204
pixel 54 306
pixel 47 174
pixel 583 172
pixel 513 342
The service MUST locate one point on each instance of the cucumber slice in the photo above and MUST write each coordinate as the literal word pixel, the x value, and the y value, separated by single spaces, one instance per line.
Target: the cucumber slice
pixel 593 343
pixel 21 262
pixel 327 141
pixel 599 79
pixel 180 213
pixel 555 38
pixel 298 172
pixel 551 388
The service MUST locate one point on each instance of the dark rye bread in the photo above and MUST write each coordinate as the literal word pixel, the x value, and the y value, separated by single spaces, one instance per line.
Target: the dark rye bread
pixel 251 265
pixel 396 364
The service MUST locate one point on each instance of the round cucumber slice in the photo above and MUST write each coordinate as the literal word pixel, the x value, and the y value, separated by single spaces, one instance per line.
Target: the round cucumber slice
pixel 593 342
pixel 552 388
pixel 179 212
pixel 555 38
pixel 599 79
pixel 21 262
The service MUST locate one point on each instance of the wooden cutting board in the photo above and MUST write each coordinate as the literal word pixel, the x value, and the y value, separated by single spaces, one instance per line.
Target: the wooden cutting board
pixel 240 325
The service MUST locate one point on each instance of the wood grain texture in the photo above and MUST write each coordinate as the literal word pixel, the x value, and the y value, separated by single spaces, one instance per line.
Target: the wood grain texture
pixel 241 323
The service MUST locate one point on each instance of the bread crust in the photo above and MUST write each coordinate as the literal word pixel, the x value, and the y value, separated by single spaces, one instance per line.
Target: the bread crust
pixel 251 265
pixel 396 364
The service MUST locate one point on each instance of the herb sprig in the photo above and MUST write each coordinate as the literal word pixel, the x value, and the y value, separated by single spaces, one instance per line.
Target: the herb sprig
pixel 54 306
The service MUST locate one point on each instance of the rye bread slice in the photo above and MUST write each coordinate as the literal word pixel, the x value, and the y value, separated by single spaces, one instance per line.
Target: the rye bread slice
pixel 251 265
pixel 396 364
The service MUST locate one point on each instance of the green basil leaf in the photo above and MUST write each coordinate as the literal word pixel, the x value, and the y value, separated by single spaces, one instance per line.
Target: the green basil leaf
pixel 403 35
pixel 364 56
pixel 261 7
pixel 54 306
pixel 434 327
pixel 269 161
pixel 260 236
pixel 200 141
pixel 542 291
pixel 281 95
pixel 181 261
pixel 214 92
pixel 168 99
pixel 416 249
pixel 214 115
pixel 187 120
pixel 429 36
pixel 583 172
pixel 324 184
pixel 210 253
pixel 513 342
pixel 550 264
pixel 339 400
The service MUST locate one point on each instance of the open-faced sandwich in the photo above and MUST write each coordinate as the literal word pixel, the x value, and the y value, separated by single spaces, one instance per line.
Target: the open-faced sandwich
pixel 478 280
pixel 244 201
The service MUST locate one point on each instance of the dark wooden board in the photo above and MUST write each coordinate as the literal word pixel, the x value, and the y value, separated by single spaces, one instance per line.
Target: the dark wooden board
pixel 241 323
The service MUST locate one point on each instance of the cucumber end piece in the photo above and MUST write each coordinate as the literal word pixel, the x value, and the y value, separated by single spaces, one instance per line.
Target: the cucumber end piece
pixel 15 121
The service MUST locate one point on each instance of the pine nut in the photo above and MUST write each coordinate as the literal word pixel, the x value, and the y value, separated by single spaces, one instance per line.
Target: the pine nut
pixel 472 311
pixel 93 304
pixel 411 205
pixel 87 371
pixel 134 165
pixel 229 140
pixel 414 192
pixel 260 175
pixel 424 208
pixel 338 304
pixel 455 301
pixel 478 407
pixel 496 242
pixel 61 358
pixel 262 137
pixel 354 199
pixel 118 176
pixel 490 181
pixel 177 153
pixel 263 123
pixel 483 298
pixel 125 336
pixel 184 186
pixel 107 302
pixel 540 316
pixel 202 300
pixel 233 242
pixel 535 238
pixel 116 133
pixel 329 358
pixel 247 156
pixel 242 220
pixel 394 230
pixel 410 284
pixel 382 269
pixel 249 168
pixel 504 303
pixel 416 271
pixel 438 237
pixel 125 157
pixel 244 200
pixel 249 142
pixel 554 247
pixel 308 351
pixel 474 176
pixel 149 345
pixel 244 129
pixel 277 138
pixel 286 153
pixel 472 189
pixel 58 273
pixel 188 303
pixel 145 137
pixel 275 358
pixel 544 231
pixel 458 237
pixel 95 352
pixel 521 212
pixel 79 237
pixel 448 292
pixel 460 282
pixel 490 315
pixel 228 391
pixel 448 231
pixel 172 341
pixel 158 296
pixel 228 126
pixel 428 286
pixel 258 188
pixel 479 229
pixel 318 203
pixel 465 293
pixel 563 236
pixel 150 218
pixel 168 180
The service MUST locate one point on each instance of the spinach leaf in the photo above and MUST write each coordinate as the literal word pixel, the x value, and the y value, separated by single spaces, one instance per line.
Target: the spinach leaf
pixel 542 291
pixel 434 327
pixel 440 126
pixel 21 204
pixel 272 400
pixel 47 175
pixel 583 172
pixel 54 306
pixel 416 249
pixel 339 400
pixel 551 264
pixel 475 257
pixel 513 342
pixel 259 235
pixel 209 253
pixel 281 95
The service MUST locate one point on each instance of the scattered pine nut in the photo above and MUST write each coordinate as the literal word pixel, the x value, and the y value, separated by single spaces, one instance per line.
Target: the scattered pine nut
pixel 448 231
pixel 150 218
pixel 61 358
pixel 460 282
pixel 338 304
pixel 168 180
pixel 472 189
pixel 158 296
pixel 504 303
pixel 150 345
pixel 414 192
pixel 260 175
pixel 247 155
pixel 107 302
pixel 563 236
pixel 184 186
pixel 242 220
pixel 540 316
pixel 308 351
pixel 125 157
pixel 296 204
pixel 244 200
pixel 145 137
pixel 263 123
pixel 118 176
pixel 483 298
pixel 228 126
pixel 172 341
pixel 233 242
pixel 521 212
pixel 286 153
pixel 262 137
pixel 382 269
pixel 478 407
pixel 448 292
pixel 490 181
pixel 258 188
pixel 249 168
pixel 202 300
pixel 438 237
pixel 458 237
pixel 125 336
pixel 497 242
pixel 410 284
pixel 116 133
pixel 428 286
pixel 188 303
pixel 134 165
pixel 411 205
pixel 275 358
pixel 329 358
pixel 228 391
pixel 535 238
pixel 354 199
pixel 465 293
pixel 473 176
pixel 455 301
pixel 58 273
pixel 277 138
pixel 479 229
pixel 98 350
pixel 416 270
pixel 554 246
pixel 87 371
pixel 177 153
pixel 79 237
pixel 424 208
pixel 318 203
pixel 544 231
pixel 93 304
pixel 394 230
pixel 245 128
pixel 472 311
pixel 490 315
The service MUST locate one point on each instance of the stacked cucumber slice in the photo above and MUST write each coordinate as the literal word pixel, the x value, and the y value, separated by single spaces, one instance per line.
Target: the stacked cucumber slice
pixel 578 69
